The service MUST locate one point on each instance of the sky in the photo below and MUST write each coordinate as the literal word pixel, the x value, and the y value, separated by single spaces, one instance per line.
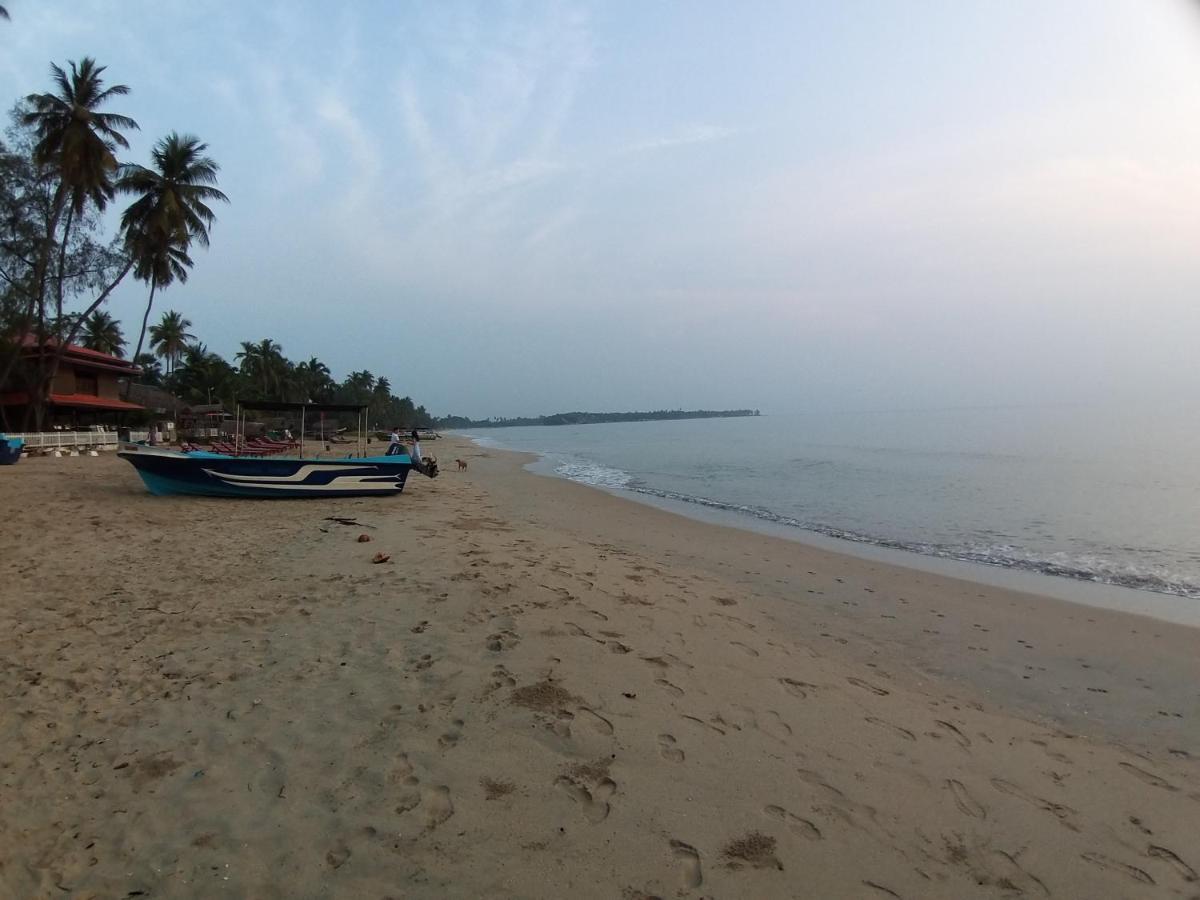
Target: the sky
pixel 523 208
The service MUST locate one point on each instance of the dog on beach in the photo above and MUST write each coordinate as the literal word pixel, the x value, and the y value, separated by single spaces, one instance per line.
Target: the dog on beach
pixel 462 464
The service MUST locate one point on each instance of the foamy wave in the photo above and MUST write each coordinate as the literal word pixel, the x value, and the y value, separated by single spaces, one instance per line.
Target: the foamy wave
pixel 1082 567
pixel 593 474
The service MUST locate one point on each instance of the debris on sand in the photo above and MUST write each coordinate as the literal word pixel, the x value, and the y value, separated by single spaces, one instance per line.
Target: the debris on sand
pixel 543 696
pixel 755 849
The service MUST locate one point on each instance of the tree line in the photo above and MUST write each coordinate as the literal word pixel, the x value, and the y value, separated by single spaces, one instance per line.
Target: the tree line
pixel 59 173
pixel 586 418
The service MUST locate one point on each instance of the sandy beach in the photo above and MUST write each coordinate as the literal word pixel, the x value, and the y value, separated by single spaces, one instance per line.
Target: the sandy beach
pixel 551 691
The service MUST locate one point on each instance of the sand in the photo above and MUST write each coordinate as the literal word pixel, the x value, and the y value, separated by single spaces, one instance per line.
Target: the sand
pixel 549 691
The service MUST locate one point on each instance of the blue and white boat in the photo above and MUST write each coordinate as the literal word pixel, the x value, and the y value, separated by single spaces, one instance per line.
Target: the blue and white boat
pixel 166 472
pixel 206 474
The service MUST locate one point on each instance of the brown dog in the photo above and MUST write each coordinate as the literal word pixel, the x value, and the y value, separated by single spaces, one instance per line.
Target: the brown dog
pixel 462 464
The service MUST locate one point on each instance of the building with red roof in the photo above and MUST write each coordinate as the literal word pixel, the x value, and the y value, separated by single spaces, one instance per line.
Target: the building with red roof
pixel 86 389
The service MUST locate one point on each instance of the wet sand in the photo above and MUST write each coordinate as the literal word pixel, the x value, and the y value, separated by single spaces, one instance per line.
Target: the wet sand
pixel 549 690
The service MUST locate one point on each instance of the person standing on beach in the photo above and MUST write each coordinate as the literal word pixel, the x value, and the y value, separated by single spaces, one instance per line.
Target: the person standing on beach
pixel 394 441
pixel 416 450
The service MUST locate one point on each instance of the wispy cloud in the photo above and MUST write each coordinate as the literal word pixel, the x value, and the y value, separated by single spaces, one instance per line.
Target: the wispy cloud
pixel 697 134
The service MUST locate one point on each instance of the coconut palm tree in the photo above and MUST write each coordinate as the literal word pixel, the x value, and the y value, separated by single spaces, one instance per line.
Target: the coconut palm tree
pixel 171 209
pixel 313 380
pixel 203 376
pixel 102 332
pixel 173 196
pixel 78 144
pixel 159 264
pixel 151 368
pixel 170 337
pixel 263 365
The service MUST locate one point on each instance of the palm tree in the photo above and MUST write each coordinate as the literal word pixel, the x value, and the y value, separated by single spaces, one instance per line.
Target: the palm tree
pixel 313 380
pixel 4 14
pixel 151 369
pixel 172 208
pixel 202 375
pixel 77 143
pixel 169 338
pixel 159 264
pixel 102 332
pixel 264 365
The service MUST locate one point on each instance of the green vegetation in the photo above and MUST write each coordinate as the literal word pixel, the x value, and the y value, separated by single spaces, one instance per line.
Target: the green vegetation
pixel 264 373
pixel 58 172
pixel 585 418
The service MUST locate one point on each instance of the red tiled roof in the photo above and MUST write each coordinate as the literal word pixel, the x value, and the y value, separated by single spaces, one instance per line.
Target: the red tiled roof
pixel 20 398
pixel 30 342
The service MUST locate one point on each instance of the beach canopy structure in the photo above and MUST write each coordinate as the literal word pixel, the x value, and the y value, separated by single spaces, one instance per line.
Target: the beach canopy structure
pixel 305 410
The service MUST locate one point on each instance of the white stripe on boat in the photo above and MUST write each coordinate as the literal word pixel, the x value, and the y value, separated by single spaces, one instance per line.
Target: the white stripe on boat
pixel 380 483
pixel 300 475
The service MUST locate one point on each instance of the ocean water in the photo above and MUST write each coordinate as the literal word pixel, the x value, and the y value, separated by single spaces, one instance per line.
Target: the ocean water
pixel 1086 493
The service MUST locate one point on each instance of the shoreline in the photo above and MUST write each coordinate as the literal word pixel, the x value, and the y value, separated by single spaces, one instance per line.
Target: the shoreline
pixel 551 691
pixel 1165 606
pixel 1086 639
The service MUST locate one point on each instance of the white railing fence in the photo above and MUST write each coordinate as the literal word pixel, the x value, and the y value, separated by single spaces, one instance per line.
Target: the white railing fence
pixel 68 440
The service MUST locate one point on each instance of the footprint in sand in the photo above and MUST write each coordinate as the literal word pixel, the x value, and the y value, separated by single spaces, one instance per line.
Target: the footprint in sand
pixel 668 687
pixel 867 686
pixel 961 739
pixel 688 860
pixel 903 732
pixel 1148 777
pixel 402 771
pixel 1186 872
pixel 772 723
pixel 699 721
pixel 453 733
pixel 668 750
pixel 501 677
pixel 796 688
pixel 502 640
pixel 802 827
pixel 745 648
pixel 437 805
pixel 337 856
pixel 597 721
pixel 594 802
pixel 1113 865
pixel 966 804
pixel 1062 812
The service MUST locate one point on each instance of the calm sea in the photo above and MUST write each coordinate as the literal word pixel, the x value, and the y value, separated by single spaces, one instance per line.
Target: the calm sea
pixel 1109 496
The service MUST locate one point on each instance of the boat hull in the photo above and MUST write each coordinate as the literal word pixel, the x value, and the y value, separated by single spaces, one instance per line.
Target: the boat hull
pixel 10 450
pixel 168 472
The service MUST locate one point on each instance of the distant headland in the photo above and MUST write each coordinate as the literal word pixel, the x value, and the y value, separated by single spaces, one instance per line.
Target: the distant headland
pixel 592 418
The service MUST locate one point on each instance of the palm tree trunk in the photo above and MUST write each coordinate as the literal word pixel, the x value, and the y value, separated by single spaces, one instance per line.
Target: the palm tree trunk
pixel 62 260
pixel 142 336
pixel 61 349
pixel 40 270
pixel 25 321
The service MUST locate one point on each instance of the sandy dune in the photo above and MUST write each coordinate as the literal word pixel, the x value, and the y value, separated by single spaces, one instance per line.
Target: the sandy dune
pixel 552 692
